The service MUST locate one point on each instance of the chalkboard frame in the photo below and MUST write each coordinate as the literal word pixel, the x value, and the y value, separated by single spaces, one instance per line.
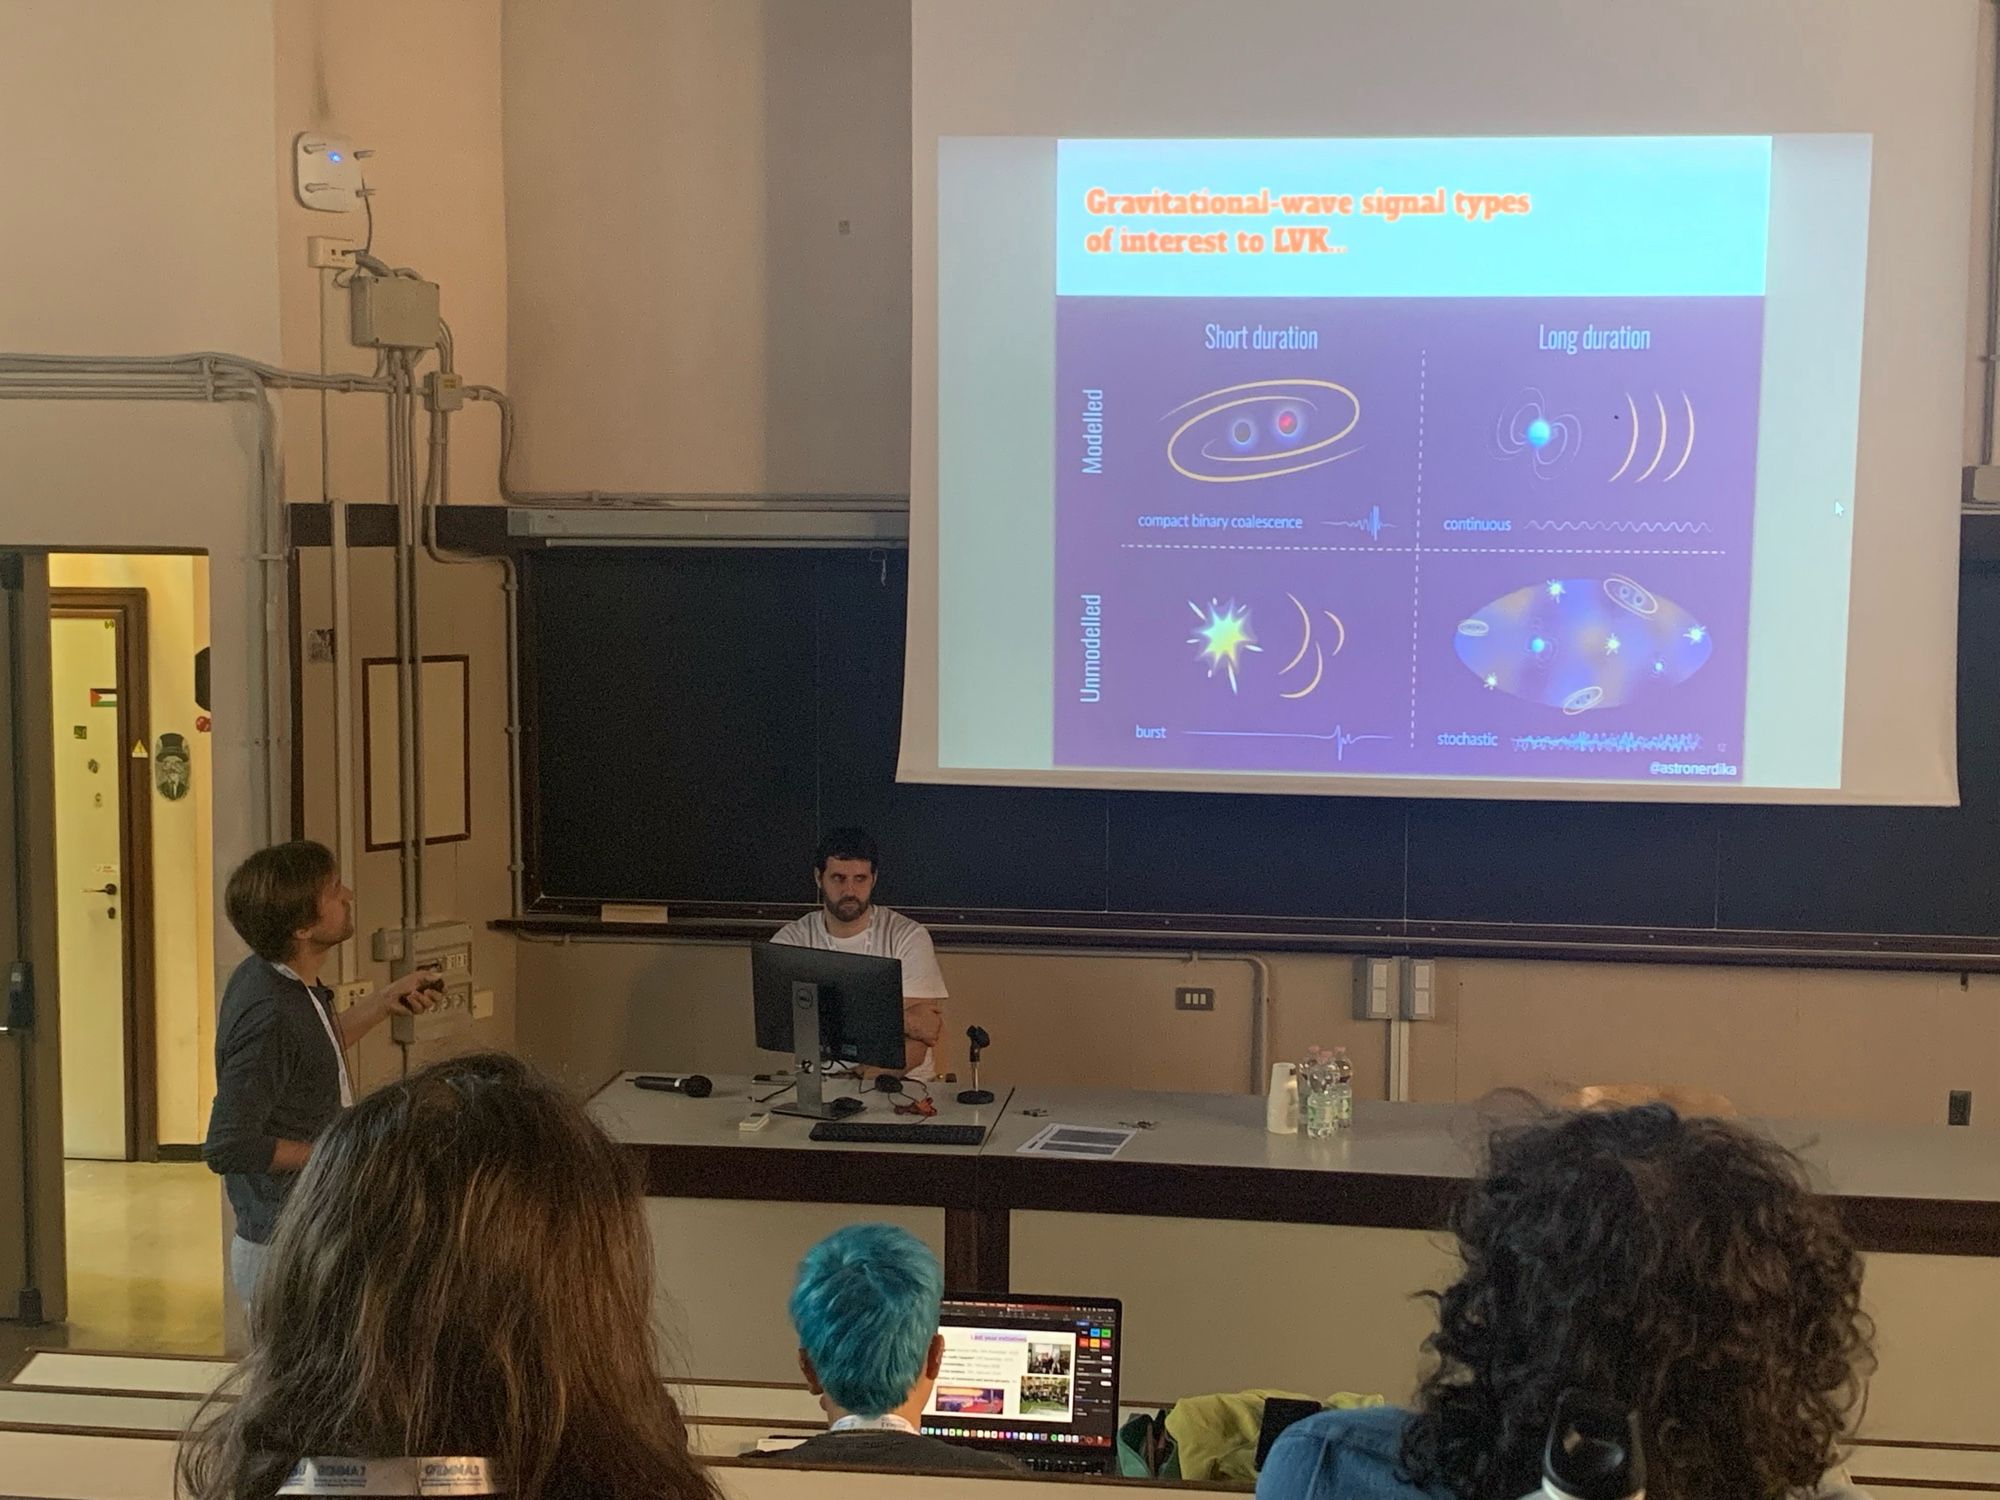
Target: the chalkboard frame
pixel 1029 923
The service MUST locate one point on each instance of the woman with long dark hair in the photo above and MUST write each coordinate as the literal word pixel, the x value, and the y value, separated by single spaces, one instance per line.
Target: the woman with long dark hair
pixel 1682 1267
pixel 462 1271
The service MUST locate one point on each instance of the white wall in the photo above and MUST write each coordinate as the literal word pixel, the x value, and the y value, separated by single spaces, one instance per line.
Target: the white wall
pixel 419 84
pixel 217 89
pixel 1778 1043
pixel 686 312
pixel 647 252
pixel 80 84
pixel 193 82
pixel 467 880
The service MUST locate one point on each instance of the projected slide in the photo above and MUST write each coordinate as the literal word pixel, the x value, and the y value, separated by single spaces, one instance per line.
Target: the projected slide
pixel 1352 475
pixel 1502 459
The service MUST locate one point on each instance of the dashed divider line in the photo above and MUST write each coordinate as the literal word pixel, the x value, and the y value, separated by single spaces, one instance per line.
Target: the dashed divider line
pixel 1434 551
pixel 1246 547
pixel 1417 552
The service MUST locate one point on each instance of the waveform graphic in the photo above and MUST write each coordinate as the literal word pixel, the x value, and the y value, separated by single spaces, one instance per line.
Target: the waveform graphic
pixel 1589 743
pixel 1629 528
pixel 1340 739
pixel 1372 523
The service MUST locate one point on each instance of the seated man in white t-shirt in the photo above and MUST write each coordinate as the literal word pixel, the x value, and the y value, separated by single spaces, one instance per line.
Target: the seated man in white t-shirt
pixel 848 921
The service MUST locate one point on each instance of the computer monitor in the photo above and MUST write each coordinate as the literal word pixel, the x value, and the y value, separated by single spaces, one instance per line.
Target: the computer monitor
pixel 825 1007
pixel 1033 1377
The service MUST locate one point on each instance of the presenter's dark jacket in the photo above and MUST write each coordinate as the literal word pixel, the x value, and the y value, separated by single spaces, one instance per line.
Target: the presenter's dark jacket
pixel 874 1448
pixel 277 1077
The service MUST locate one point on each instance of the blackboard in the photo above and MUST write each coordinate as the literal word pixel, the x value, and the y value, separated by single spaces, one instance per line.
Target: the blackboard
pixel 695 718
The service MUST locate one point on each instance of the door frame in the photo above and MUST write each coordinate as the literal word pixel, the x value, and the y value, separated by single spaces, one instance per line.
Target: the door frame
pixel 27 759
pixel 127 609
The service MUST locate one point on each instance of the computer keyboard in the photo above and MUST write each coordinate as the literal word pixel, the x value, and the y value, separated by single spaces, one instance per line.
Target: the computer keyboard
pixel 885 1134
pixel 1063 1463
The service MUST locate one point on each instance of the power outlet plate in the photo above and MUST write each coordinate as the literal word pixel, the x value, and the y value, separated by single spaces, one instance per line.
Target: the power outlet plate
pixel 1190 998
pixel 454 1013
pixel 347 996
pixel 326 253
pixel 1374 989
pixel 1958 1107
pixel 1419 989
pixel 446 947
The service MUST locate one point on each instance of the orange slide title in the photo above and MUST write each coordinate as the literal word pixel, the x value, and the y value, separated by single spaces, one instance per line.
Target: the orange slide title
pixel 1276 238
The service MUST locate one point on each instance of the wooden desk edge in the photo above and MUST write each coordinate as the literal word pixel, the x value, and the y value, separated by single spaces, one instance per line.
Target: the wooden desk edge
pixel 990 1184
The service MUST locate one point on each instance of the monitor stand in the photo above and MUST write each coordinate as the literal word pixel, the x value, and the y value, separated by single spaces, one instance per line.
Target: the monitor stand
pixel 809 1101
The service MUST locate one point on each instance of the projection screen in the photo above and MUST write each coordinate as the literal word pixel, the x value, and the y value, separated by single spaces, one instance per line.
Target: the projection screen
pixel 1401 398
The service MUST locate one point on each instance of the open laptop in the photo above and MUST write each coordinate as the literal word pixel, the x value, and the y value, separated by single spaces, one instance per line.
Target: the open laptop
pixel 1033 1377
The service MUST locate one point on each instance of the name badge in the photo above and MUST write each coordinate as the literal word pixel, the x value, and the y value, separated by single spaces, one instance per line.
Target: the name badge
pixel 393 1476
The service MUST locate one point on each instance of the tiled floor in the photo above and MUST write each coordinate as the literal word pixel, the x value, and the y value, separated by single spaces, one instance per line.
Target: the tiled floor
pixel 145 1261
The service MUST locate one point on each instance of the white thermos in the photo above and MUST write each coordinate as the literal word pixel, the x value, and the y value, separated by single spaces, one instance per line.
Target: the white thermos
pixel 1281 1104
pixel 1593 1451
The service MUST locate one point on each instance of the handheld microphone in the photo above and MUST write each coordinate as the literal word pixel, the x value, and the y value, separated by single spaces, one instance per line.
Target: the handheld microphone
pixel 694 1085
pixel 980 1042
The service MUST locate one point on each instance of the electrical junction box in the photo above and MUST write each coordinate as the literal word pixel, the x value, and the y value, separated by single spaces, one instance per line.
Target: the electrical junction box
pixel 446 947
pixel 394 312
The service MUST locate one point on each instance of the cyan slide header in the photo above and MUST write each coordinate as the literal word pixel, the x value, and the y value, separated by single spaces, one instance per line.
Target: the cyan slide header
pixel 1632 216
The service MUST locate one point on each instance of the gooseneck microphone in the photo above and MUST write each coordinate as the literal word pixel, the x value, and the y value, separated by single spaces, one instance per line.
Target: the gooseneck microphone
pixel 694 1085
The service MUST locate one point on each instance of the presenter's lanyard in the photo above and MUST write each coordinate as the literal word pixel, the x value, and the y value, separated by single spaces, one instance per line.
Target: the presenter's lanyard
pixel 339 1054
pixel 393 1476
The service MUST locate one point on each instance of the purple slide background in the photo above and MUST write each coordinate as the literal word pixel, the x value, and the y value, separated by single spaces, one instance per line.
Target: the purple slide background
pixel 1441 385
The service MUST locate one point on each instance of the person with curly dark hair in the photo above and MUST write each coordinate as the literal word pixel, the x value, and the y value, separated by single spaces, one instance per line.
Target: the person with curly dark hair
pixel 1680 1266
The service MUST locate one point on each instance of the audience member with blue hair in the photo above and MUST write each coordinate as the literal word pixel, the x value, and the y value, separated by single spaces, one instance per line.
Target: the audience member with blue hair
pixel 866 1310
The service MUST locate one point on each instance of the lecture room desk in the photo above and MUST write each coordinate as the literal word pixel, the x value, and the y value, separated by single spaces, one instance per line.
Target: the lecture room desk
pixel 1908 1189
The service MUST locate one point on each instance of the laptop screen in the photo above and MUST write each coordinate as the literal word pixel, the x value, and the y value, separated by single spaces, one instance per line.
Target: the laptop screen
pixel 1028 1370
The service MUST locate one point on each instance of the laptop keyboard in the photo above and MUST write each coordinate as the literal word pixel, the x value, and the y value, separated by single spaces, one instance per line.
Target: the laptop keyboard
pixel 1062 1463
pixel 885 1134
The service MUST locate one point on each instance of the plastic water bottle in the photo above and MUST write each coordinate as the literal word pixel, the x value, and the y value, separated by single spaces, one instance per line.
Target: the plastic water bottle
pixel 1326 1092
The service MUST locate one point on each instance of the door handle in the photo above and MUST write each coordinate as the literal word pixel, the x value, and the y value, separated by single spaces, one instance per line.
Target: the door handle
pixel 102 890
